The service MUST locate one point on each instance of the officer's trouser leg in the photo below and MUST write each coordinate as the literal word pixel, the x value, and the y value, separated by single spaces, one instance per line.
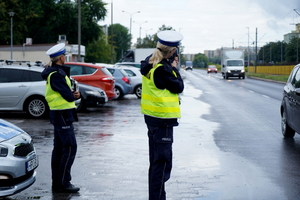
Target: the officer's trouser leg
pixel 63 154
pixel 160 156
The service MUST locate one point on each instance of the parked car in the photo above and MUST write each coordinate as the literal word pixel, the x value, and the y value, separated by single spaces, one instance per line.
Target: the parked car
pixel 212 68
pixel 95 75
pixel 91 97
pixel 122 84
pixel 23 89
pixel 290 105
pixel 135 79
pixel 18 159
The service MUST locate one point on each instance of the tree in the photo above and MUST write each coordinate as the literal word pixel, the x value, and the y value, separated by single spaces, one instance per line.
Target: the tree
pixel 292 49
pixel 120 39
pixel 200 60
pixel 98 51
pixel 44 20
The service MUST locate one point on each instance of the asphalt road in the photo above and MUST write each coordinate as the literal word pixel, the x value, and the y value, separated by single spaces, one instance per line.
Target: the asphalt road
pixel 228 146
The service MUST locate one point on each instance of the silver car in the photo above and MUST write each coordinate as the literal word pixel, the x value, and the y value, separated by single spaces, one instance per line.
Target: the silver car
pixel 22 88
pixel 18 159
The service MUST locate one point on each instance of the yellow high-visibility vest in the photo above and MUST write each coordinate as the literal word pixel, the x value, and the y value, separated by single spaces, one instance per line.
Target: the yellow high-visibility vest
pixel 156 102
pixel 54 99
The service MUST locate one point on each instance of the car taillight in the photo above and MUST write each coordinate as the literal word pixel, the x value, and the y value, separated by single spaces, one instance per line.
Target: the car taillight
pixel 126 80
pixel 109 80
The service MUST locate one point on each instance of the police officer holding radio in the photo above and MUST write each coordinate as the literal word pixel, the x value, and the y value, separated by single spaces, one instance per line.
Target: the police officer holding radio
pixel 60 98
pixel 161 85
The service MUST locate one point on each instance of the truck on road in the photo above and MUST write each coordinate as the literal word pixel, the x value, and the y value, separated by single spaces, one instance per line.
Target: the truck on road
pixel 232 63
pixel 135 56
pixel 188 65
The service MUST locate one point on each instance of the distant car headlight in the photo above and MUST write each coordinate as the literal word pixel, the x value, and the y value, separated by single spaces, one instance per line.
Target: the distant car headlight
pixel 243 71
pixel 228 71
pixel 95 93
pixel 3 151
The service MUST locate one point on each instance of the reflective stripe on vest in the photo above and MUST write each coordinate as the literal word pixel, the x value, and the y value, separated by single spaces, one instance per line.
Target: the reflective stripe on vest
pixel 158 103
pixel 54 99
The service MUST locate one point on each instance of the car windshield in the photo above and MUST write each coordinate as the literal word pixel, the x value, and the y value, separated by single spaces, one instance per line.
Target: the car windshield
pixel 212 66
pixel 235 63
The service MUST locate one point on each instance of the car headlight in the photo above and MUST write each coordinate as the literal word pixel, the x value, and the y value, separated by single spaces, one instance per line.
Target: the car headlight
pixel 243 71
pixel 3 151
pixel 228 71
pixel 95 93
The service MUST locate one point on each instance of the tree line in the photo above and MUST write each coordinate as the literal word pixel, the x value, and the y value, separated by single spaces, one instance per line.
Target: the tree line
pixel 280 52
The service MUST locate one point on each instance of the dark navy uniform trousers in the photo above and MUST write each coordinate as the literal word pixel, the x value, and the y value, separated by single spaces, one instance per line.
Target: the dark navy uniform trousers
pixel 160 156
pixel 64 152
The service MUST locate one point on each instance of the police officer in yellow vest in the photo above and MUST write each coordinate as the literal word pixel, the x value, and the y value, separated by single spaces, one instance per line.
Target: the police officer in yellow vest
pixel 161 84
pixel 60 98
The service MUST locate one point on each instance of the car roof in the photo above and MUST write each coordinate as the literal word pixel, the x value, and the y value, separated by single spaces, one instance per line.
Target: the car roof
pixel 84 64
pixel 32 68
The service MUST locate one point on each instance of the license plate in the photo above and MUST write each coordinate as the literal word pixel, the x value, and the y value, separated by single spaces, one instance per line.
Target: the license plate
pixel 235 74
pixel 32 164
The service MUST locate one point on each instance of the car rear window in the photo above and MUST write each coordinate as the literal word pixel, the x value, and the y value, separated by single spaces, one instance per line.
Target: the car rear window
pixel 123 72
pixel 105 71
pixel 81 70
pixel 129 72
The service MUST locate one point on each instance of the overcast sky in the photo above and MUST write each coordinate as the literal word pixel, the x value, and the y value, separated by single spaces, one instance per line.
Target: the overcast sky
pixel 210 24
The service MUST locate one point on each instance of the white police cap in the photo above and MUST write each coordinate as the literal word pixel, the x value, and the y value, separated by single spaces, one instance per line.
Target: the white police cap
pixel 56 50
pixel 169 38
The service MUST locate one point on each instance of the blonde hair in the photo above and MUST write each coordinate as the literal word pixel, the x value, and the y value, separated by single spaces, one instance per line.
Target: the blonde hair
pixel 53 60
pixel 159 53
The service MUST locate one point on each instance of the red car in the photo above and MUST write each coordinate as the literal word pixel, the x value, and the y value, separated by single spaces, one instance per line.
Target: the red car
pixel 95 75
pixel 212 68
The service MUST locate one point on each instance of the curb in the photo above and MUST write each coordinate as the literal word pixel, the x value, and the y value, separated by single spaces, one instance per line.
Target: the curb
pixel 268 80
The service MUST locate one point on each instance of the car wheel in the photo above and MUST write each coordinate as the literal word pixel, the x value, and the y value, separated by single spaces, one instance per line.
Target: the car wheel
pixel 226 76
pixel 119 93
pixel 36 107
pixel 286 130
pixel 138 91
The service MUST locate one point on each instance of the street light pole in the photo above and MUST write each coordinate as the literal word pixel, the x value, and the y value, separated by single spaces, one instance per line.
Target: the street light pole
pixel 248 52
pixel 140 26
pixel 130 18
pixel 11 14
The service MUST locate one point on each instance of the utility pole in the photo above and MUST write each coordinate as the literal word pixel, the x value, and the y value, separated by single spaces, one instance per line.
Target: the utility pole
pixel 255 50
pixel 11 14
pixel 111 37
pixel 79 31
pixel 248 51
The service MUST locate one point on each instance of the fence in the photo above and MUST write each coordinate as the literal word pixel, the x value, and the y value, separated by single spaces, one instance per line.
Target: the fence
pixel 279 70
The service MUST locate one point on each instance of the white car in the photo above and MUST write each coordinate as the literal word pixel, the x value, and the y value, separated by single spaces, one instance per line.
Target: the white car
pixel 22 88
pixel 135 77
pixel 18 159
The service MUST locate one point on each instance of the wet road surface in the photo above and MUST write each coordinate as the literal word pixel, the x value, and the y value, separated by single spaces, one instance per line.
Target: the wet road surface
pixel 210 162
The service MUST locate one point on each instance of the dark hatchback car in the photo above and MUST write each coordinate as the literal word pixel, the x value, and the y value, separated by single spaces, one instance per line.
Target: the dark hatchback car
pixel 290 106
pixel 91 97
